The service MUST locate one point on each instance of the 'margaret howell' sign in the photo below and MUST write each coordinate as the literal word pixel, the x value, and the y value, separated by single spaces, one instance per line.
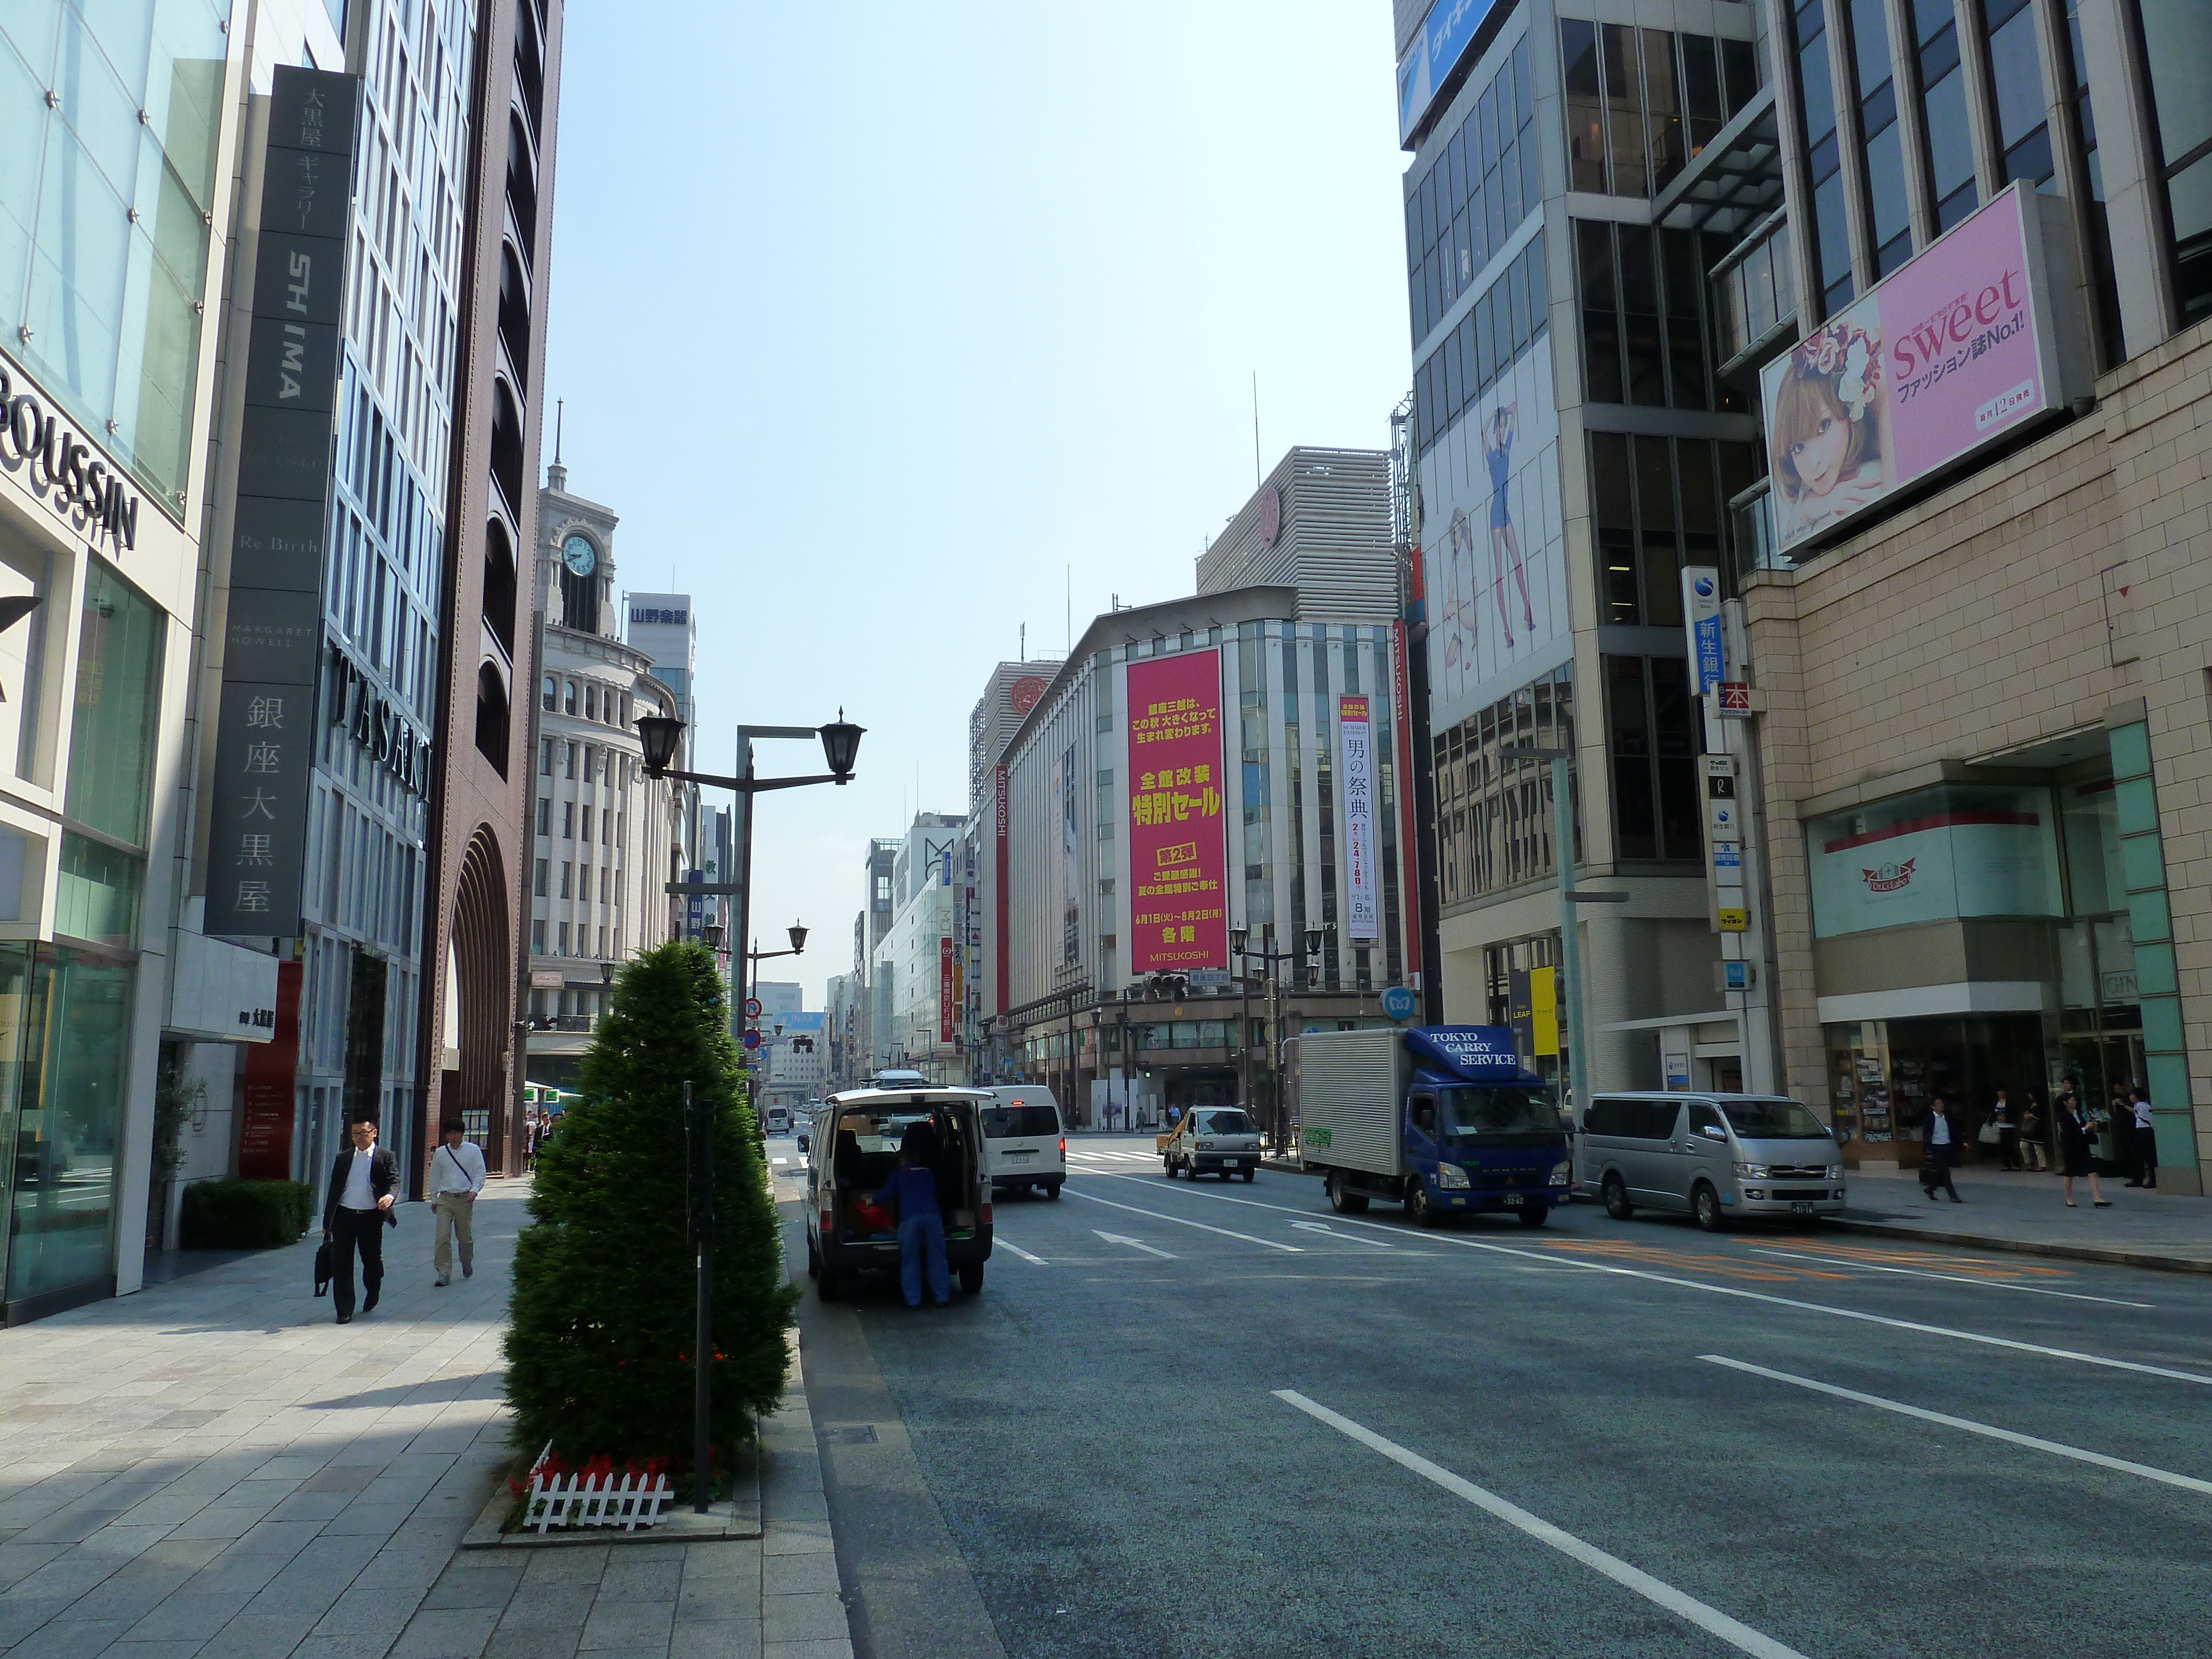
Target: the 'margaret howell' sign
pixel 272 640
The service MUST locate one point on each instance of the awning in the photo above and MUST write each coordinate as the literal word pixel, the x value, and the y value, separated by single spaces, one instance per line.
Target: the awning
pixel 1734 181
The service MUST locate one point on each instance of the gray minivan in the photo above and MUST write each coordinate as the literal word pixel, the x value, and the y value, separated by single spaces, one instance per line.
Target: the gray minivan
pixel 1714 1156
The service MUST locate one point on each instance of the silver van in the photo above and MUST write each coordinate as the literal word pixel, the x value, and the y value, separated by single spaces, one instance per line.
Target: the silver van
pixel 1715 1157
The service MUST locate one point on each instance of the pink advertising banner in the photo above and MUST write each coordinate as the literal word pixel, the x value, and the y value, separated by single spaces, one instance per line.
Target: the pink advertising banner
pixel 1178 833
pixel 1948 354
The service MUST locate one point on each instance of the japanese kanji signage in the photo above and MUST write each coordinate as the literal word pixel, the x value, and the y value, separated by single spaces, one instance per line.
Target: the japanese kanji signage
pixel 1178 831
pixel 272 638
pixel 948 991
pixel 1356 778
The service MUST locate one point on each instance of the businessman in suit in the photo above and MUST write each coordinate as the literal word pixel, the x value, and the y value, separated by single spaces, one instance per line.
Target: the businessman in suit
pixel 363 1182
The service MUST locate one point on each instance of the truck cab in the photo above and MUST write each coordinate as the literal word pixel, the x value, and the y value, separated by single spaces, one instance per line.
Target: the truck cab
pixel 1442 1119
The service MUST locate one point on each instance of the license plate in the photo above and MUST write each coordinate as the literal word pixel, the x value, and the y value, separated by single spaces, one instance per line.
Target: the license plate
pixel 1021 1156
pixel 1513 1198
pixel 1800 1209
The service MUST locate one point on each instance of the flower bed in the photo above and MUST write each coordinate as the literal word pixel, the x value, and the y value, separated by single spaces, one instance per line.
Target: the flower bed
pixel 555 1496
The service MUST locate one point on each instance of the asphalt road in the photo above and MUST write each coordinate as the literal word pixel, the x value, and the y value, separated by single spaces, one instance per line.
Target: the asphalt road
pixel 1242 1425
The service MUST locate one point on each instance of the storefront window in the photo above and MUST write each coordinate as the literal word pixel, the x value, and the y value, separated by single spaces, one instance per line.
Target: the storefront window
pixel 1937 854
pixel 117 679
pixel 96 899
pixel 1882 1074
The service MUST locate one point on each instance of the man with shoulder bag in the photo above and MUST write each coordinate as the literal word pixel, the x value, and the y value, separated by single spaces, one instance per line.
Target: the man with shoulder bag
pixel 364 1180
pixel 457 1176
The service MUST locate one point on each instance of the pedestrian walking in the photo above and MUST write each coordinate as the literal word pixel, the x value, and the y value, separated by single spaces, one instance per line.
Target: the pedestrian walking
pixel 2007 1133
pixel 2146 1140
pixel 2031 1135
pixel 913 1186
pixel 457 1176
pixel 2077 1129
pixel 363 1179
pixel 1939 1150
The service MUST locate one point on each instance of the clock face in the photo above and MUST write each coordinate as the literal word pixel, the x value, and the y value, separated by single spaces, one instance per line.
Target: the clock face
pixel 580 556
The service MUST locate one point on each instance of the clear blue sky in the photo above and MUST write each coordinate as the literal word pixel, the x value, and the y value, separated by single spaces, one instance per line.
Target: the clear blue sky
pixel 873 321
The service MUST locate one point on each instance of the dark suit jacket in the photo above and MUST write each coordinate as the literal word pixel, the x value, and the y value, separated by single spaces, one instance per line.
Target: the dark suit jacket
pixel 383 1178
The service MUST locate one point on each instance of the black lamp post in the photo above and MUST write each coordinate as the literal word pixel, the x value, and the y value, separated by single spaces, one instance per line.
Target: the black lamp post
pixel 756 956
pixel 1240 939
pixel 659 735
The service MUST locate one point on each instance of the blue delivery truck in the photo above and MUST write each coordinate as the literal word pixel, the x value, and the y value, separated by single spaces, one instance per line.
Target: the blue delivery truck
pixel 1442 1119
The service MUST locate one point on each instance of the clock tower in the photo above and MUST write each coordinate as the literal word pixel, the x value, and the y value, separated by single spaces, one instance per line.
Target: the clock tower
pixel 575 559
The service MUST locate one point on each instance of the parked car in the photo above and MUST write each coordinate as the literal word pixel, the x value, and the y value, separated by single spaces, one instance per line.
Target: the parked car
pixel 1220 1140
pixel 1712 1156
pixel 1025 1141
pixel 777 1120
pixel 855 1145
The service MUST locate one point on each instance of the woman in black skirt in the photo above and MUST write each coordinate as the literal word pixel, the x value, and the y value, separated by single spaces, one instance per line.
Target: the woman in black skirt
pixel 2074 1130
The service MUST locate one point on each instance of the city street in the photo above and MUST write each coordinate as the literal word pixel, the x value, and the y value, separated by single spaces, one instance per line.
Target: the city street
pixel 1215 1418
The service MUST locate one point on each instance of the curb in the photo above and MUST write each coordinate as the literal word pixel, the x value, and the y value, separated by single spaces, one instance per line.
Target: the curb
pixel 2114 1258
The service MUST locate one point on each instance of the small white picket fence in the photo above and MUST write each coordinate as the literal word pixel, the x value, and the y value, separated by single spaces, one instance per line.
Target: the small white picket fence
pixel 627 1501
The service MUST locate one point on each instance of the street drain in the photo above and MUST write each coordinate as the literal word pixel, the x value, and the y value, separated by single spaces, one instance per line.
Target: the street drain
pixel 851 1434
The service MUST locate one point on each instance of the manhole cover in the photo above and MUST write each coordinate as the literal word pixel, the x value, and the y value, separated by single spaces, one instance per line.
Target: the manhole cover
pixel 851 1434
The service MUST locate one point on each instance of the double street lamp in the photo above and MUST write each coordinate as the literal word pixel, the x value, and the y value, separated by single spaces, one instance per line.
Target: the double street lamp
pixel 1240 938
pixel 660 735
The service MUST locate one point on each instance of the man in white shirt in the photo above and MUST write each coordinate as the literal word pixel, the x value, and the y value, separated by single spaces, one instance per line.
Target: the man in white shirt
pixel 2146 1140
pixel 457 1176
pixel 364 1182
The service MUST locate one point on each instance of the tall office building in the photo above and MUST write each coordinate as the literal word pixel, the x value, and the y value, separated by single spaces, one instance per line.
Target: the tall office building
pixel 1573 447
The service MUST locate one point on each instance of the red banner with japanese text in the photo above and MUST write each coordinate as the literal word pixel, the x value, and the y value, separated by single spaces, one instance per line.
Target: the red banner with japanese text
pixel 1178 831
pixel 265 1134
pixel 948 995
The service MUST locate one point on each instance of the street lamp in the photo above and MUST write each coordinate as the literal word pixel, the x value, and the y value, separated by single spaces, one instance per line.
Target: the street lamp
pixel 1240 939
pixel 1571 952
pixel 658 736
pixel 756 956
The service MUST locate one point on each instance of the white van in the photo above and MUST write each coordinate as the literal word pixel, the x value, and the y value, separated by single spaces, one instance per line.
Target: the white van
pixel 1025 1142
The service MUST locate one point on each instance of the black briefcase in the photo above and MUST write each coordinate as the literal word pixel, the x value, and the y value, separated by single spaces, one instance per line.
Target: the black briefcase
pixel 323 1267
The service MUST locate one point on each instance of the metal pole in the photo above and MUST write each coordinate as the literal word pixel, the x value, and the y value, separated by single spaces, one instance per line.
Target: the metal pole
pixel 699 1119
pixel 745 897
pixel 1571 952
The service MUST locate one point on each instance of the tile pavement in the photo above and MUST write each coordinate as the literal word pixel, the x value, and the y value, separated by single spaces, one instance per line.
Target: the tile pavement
pixel 214 1469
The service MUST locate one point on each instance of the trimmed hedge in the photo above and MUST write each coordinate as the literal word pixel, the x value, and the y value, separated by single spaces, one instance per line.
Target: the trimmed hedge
pixel 244 1215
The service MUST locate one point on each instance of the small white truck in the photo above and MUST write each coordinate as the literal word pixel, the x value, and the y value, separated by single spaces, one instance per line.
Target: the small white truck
pixel 1220 1140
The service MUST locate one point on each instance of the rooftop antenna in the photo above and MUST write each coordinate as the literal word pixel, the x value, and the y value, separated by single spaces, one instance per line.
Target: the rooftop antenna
pixel 1071 618
pixel 560 407
pixel 1025 656
pixel 1256 428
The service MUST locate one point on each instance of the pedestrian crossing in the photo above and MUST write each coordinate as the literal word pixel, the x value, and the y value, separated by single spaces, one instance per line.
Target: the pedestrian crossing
pixel 1104 1158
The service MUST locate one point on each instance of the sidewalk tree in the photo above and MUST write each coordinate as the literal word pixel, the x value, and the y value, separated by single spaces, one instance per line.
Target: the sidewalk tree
pixel 599 1342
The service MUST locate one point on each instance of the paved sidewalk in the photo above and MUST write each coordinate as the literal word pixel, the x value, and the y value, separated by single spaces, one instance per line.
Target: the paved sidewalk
pixel 214 1469
pixel 2028 1214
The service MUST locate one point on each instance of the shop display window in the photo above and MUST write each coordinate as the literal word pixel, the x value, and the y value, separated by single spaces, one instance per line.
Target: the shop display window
pixel 114 731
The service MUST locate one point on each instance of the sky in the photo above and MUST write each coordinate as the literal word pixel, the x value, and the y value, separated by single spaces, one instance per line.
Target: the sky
pixel 881 328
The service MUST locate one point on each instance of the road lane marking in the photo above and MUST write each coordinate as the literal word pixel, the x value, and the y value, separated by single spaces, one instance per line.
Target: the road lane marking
pixel 1134 1244
pixel 1179 1221
pixel 1739 1636
pixel 1327 1231
pixel 1955 1279
pixel 1914 1325
pixel 2188 1483
pixel 1004 1242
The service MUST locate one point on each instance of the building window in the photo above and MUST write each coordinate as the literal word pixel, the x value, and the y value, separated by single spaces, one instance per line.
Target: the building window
pixel 1758 292
pixel 568 820
pixel 2178 46
pixel 2105 284
pixel 1651 740
pixel 1481 184
pixel 1829 231
pixel 2016 88
pixel 583 883
pixel 545 757
pixel 537 883
pixel 568 702
pixel 1943 103
pixel 548 694
pixel 1493 813
pixel 591 702
pixel 567 873
pixel 1882 140
pixel 1628 94
pixel 544 815
pixel 1488 342
pixel 538 939
pixel 1646 336
pixel 564 939
pixel 572 759
pixel 1658 504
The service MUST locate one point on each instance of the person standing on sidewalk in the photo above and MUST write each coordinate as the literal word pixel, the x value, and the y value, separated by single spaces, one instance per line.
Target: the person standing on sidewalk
pixel 2075 1129
pixel 2145 1150
pixel 2007 1133
pixel 363 1179
pixel 457 1176
pixel 1940 1151
pixel 2031 1134
pixel 920 1223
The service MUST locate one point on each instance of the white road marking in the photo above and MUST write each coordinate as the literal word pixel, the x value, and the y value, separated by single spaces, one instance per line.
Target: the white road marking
pixel 1955 1279
pixel 1739 1636
pixel 779 1160
pixel 2188 1483
pixel 1002 1243
pixel 2198 1377
pixel 1134 1244
pixel 1179 1221
pixel 1326 1231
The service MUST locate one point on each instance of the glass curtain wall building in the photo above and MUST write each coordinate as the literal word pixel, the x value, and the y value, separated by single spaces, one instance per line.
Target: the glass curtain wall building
pixel 1575 445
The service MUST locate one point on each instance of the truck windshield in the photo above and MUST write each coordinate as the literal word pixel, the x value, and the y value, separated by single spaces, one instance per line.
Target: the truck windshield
pixel 1222 1121
pixel 1773 1120
pixel 1472 1112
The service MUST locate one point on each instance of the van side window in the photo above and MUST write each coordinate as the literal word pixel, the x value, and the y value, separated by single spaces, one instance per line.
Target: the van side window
pixel 1659 1119
pixel 1425 1113
pixel 1705 1121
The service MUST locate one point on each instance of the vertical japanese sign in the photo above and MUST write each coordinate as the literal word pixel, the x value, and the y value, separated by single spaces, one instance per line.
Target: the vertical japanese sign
pixel 1071 864
pixel 1409 858
pixel 1355 777
pixel 1701 616
pixel 272 639
pixel 1001 934
pixel 948 995
pixel 1178 835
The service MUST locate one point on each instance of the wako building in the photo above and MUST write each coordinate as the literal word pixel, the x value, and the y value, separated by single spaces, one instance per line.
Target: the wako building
pixel 1969 280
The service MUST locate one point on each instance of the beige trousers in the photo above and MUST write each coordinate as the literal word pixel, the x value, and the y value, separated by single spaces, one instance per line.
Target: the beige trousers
pixel 457 1214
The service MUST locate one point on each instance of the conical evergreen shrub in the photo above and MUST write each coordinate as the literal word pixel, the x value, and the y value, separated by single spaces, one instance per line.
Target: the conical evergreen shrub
pixel 604 1308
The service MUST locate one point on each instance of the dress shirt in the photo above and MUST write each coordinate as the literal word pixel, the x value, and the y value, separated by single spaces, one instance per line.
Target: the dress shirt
pixel 456 1169
pixel 357 1194
pixel 2143 1115
pixel 1939 1130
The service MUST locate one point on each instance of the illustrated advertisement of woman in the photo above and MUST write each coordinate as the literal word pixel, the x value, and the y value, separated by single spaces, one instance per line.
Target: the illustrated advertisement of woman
pixel 1459 614
pixel 1504 540
pixel 1829 427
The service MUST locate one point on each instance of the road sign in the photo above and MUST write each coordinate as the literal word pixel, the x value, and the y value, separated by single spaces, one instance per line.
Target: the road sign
pixel 1735 699
pixel 751 1039
pixel 752 1007
pixel 1399 1003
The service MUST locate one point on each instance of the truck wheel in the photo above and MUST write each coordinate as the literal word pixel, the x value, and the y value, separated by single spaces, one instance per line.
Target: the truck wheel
pixel 1250 1175
pixel 1705 1206
pixel 1535 1215
pixel 1167 1167
pixel 971 1277
pixel 1052 1188
pixel 1616 1199
pixel 1341 1197
pixel 828 1284
pixel 813 1259
pixel 1418 1206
